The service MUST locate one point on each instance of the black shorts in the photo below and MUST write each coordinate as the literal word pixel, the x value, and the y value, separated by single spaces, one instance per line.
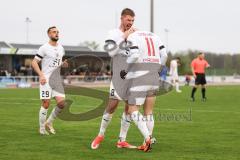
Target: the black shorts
pixel 200 79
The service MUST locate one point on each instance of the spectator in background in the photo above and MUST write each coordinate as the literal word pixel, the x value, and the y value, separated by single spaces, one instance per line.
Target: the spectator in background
pixel 3 73
pixel 29 71
pixel 187 79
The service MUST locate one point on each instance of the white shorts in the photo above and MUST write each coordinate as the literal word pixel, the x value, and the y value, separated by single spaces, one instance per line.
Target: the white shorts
pixel 174 77
pixel 119 94
pixel 137 95
pixel 46 92
pixel 112 92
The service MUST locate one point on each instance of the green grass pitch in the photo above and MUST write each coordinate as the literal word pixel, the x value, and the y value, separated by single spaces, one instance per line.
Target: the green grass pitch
pixel 184 130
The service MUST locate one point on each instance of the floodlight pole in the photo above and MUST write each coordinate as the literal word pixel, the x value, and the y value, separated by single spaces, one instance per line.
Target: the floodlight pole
pixel 152 15
pixel 166 36
pixel 28 21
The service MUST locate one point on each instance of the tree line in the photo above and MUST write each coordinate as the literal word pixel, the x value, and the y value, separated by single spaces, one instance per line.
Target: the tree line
pixel 221 64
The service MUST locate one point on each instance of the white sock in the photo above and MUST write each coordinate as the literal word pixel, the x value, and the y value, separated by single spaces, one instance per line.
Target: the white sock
pixel 42 116
pixel 125 123
pixel 177 86
pixel 54 114
pixel 150 123
pixel 106 119
pixel 140 122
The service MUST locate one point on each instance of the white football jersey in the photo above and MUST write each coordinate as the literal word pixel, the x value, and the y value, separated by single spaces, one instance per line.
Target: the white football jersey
pixel 51 57
pixel 118 85
pixel 146 48
pixel 173 67
pixel 115 36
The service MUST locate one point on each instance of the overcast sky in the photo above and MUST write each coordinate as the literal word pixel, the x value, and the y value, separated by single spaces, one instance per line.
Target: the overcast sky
pixel 210 25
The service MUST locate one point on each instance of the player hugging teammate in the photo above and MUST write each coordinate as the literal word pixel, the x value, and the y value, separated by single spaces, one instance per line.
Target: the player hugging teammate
pixel 135 80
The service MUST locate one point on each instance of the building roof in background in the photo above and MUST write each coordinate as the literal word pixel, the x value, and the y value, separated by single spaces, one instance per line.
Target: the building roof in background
pixel 25 46
pixel 30 49
pixel 4 45
pixel 87 53
pixel 36 46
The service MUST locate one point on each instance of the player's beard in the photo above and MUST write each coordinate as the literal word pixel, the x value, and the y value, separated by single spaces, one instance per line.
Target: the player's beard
pixel 54 39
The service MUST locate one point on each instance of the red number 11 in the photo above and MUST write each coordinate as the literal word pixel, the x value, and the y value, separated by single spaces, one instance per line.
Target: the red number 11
pixel 150 46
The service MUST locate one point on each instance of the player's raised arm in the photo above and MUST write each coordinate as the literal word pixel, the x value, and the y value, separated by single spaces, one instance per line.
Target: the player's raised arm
pixel 132 51
pixel 112 44
pixel 115 45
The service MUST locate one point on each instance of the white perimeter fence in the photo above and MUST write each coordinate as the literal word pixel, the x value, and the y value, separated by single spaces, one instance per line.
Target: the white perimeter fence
pixel 33 81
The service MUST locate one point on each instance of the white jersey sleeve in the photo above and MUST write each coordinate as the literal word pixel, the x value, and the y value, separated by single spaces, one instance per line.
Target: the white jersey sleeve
pixel 113 40
pixel 133 51
pixel 40 54
pixel 163 52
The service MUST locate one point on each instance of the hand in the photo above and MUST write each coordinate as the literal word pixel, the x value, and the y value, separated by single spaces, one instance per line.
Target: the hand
pixel 65 64
pixel 42 80
pixel 160 71
pixel 194 76
pixel 123 74
pixel 128 32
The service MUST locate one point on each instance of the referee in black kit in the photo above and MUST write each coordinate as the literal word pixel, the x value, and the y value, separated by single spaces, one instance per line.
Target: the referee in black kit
pixel 198 66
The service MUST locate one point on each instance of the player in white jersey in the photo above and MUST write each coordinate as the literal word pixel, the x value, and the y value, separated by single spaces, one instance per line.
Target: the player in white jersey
pixel 146 55
pixel 174 73
pixel 115 39
pixel 50 55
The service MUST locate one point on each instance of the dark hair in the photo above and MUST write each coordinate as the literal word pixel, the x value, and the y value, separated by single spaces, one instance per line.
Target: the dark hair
pixel 128 11
pixel 200 53
pixel 178 58
pixel 49 29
